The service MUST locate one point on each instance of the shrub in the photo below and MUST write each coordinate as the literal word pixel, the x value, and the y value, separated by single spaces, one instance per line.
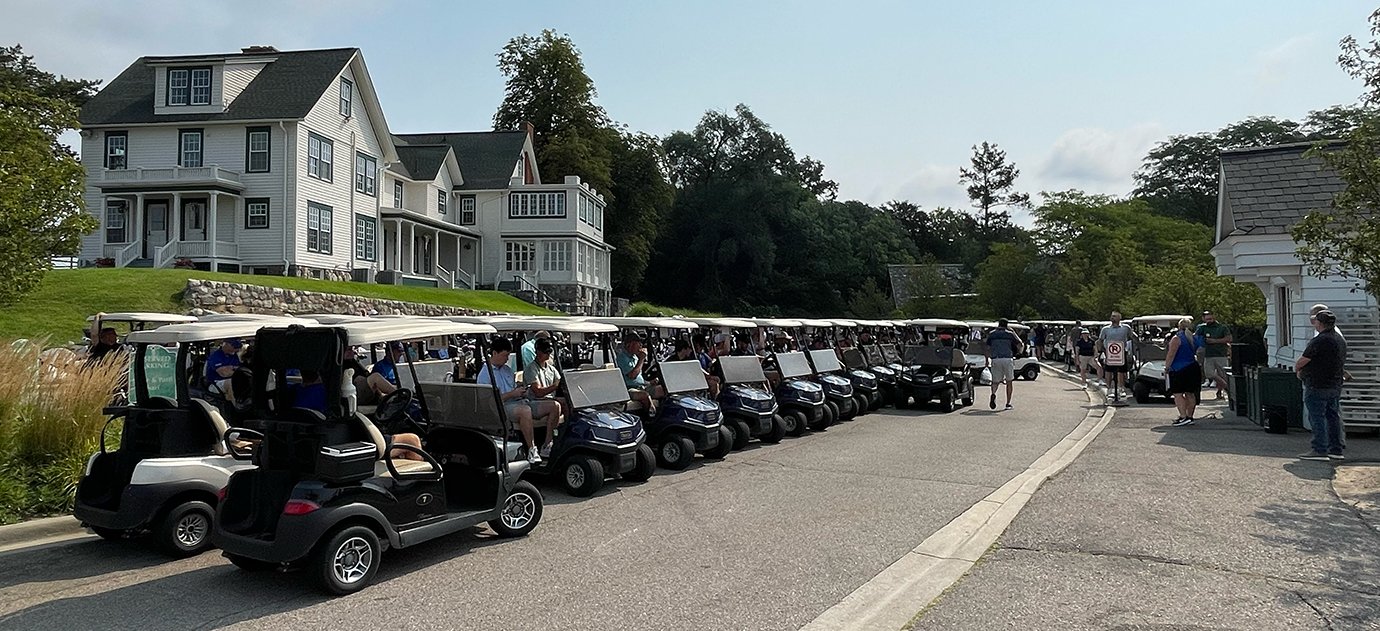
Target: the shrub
pixel 50 422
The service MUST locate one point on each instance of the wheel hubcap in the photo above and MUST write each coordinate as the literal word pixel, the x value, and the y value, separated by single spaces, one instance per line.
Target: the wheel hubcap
pixel 518 510
pixel 671 451
pixel 574 476
pixel 353 560
pixel 191 530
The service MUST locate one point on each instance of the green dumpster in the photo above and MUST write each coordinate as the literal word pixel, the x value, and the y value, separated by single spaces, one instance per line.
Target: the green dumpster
pixel 1280 386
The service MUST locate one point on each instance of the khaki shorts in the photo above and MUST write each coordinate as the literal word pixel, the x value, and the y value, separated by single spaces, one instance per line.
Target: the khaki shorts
pixel 1212 366
pixel 1003 369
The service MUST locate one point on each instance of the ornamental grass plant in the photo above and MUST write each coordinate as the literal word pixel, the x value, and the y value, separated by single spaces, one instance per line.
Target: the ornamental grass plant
pixel 50 423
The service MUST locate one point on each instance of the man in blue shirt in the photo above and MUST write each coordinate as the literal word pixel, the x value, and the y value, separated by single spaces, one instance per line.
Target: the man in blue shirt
pixel 220 365
pixel 1002 348
pixel 383 377
pixel 496 372
pixel 631 360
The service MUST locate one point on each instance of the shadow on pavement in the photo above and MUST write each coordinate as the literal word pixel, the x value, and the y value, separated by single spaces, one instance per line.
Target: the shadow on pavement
pixel 1327 529
pixel 77 560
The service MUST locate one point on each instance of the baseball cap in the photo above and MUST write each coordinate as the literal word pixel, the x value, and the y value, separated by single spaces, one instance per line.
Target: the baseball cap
pixel 235 343
pixel 632 336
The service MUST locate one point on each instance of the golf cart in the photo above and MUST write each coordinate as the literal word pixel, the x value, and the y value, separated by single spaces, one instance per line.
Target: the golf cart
pixel 798 396
pixel 132 321
pixel 864 381
pixel 329 493
pixel 937 370
pixel 747 400
pixel 687 420
pixel 876 362
pixel 1026 366
pixel 1152 333
pixel 838 389
pixel 172 459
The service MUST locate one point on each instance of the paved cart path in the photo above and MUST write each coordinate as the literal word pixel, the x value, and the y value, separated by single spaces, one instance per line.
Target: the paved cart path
pixel 767 539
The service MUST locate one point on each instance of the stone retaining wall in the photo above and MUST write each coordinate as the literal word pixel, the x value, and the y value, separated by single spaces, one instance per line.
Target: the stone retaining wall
pixel 223 297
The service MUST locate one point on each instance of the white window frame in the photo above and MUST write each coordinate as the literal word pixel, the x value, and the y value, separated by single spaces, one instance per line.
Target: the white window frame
pixel 366 238
pixel 1283 310
pixel 183 152
pixel 266 136
pixel 320 220
pixel 179 86
pixel 555 256
pixel 519 256
pixel 116 214
pixel 256 213
pixel 195 87
pixel 347 96
pixel 123 149
pixel 397 194
pixel 537 205
pixel 441 204
pixel 468 212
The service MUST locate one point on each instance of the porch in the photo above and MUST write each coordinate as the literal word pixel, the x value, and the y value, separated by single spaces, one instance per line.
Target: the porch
pixel 158 228
pixel 426 252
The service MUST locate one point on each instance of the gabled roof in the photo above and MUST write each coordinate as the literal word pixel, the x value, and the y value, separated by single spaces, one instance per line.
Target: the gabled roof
pixel 1266 190
pixel 486 158
pixel 422 162
pixel 285 89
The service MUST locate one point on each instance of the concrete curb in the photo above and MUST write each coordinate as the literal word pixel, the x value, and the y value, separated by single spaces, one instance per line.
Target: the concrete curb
pixel 39 531
pixel 893 597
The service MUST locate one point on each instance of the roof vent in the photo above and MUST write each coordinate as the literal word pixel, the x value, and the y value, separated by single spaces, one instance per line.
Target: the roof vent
pixel 258 50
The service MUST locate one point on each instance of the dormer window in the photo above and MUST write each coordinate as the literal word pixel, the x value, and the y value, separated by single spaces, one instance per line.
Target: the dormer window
pixel 347 95
pixel 189 86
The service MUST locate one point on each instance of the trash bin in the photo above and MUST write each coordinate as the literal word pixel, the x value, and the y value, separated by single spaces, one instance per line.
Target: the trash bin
pixel 1252 397
pixel 1276 419
pixel 1281 387
pixel 1238 392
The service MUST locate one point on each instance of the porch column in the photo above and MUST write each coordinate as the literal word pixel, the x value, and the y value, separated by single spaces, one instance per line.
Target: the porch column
pixel 134 219
pixel 458 246
pixel 412 248
pixel 435 251
pixel 397 246
pixel 211 228
pixel 176 228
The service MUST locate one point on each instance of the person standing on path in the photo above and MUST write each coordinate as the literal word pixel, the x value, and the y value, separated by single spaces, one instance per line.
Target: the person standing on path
pixel 1086 350
pixel 1216 352
pixel 1119 332
pixel 1322 369
pixel 1002 348
pixel 1185 375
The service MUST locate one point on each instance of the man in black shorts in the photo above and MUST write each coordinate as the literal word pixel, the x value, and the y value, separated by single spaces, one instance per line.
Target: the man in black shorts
pixel 1118 332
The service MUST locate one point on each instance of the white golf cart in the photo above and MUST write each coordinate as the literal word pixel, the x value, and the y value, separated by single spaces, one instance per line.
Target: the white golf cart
pixel 1148 375
pixel 1027 367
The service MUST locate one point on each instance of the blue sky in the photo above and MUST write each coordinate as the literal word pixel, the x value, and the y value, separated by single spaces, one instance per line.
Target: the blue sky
pixel 889 95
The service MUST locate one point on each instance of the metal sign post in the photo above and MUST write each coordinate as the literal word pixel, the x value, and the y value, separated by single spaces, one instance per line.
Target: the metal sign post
pixel 1115 357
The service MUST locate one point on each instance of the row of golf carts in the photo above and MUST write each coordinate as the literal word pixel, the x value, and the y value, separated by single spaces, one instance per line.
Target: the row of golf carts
pixel 278 483
pixel 1149 345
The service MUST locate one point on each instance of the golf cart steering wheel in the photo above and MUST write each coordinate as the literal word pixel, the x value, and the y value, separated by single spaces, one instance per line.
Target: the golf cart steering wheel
pixel 392 411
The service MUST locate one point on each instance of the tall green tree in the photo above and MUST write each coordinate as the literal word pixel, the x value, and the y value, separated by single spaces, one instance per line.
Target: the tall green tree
pixel 989 181
pixel 547 86
pixel 642 199
pixel 41 209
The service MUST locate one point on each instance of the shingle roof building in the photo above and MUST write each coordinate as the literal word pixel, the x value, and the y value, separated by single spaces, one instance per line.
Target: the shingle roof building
pixel 486 158
pixel 1267 190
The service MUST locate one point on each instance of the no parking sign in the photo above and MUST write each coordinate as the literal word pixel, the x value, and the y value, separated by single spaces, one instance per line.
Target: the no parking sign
pixel 1116 354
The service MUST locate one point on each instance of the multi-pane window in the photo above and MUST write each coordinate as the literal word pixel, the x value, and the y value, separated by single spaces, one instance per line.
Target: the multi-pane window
pixel 441 202
pixel 319 157
pixel 115 221
pixel 536 205
pixel 591 212
pixel 201 86
pixel 256 150
pixel 318 228
pixel 582 262
pixel 189 86
pixel 1283 309
pixel 178 81
pixel 467 213
pixel 256 212
pixel 116 146
pixel 555 256
pixel 189 148
pixel 397 194
pixel 366 231
pixel 518 255
pixel 347 95
pixel 366 174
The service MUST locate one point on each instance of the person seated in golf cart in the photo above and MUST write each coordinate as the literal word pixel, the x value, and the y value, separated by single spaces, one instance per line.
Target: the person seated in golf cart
pixel 543 381
pixel 221 365
pixel 104 340
pixel 497 373
pixel 742 346
pixel 683 352
pixel 383 377
pixel 631 360
pixel 700 353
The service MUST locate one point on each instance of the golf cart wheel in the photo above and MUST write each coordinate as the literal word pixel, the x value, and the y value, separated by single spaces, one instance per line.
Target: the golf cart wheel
pixel 828 416
pixel 946 401
pixel 968 400
pixel 1141 392
pixel 186 529
pixel 109 534
pixel 741 434
pixel 249 565
pixel 645 467
pixel 725 444
pixel 800 423
pixel 860 404
pixel 521 511
pixel 1030 373
pixel 876 401
pixel 582 475
pixel 778 430
pixel 676 453
pixel 348 560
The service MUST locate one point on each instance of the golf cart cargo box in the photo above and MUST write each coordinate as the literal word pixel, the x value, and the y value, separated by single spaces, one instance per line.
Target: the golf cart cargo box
pixel 350 462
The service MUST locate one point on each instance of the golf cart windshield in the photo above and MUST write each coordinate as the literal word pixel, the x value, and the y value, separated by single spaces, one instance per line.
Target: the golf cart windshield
pixel 853 358
pixel 683 376
pixel 593 388
pixel 793 364
pixel 945 356
pixel 742 370
pixel 825 360
pixel 889 353
pixel 874 355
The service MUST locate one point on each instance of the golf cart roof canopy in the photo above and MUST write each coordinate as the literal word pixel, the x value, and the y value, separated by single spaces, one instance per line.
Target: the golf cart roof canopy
pixel 683 376
pixel 735 323
pixel 207 331
pixel 144 316
pixel 818 324
pixel 843 323
pixel 561 325
pixel 777 322
pixel 629 322
pixel 1162 320
pixel 401 329
pixel 941 322
pixel 825 360
pixel 793 364
pixel 252 317
pixel 336 318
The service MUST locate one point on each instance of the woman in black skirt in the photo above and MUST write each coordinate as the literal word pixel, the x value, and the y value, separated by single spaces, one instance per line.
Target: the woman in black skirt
pixel 1185 375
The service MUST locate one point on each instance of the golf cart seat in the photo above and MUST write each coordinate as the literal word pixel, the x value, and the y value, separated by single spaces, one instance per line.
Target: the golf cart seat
pixel 401 465
pixel 203 410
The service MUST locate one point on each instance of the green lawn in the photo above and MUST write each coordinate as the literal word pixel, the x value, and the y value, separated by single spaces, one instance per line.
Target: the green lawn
pixel 647 309
pixel 59 307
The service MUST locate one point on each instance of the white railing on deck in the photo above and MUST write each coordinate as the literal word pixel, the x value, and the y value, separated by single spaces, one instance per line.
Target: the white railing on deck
pixel 126 254
pixel 193 249
pixel 444 277
pixel 199 174
pixel 165 254
pixel 466 279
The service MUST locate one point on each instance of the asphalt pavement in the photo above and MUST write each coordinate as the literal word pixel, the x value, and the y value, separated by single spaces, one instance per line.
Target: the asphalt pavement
pixel 1211 526
pixel 767 539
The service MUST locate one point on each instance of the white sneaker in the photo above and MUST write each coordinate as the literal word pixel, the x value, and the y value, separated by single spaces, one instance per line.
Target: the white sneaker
pixel 545 450
pixel 533 456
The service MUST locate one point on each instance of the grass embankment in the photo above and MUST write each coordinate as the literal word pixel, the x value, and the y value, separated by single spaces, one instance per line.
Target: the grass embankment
pixel 57 310
pixel 647 309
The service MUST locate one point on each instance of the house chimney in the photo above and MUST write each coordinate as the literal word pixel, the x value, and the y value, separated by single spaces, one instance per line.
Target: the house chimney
pixel 258 50
pixel 529 129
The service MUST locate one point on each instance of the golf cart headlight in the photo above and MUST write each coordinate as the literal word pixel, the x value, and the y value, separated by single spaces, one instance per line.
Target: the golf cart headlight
pixel 937 379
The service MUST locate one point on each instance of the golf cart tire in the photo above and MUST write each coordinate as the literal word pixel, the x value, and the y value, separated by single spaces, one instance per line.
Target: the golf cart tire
pixel 1141 392
pixel 968 400
pixel 778 430
pixel 176 532
pixel 1030 372
pixel 876 401
pixel 946 401
pixel 847 410
pixel 676 453
pixel 725 444
pixel 109 534
pixel 741 434
pixel 800 423
pixel 860 404
pixel 834 414
pixel 591 475
pixel 828 416
pixel 645 467
pixel 523 489
pixel 250 565
pixel 323 559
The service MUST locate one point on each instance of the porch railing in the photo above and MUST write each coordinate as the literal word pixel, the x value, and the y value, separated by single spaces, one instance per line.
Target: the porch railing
pixel 445 277
pixel 125 255
pixel 211 172
pixel 465 279
pixel 165 254
pixel 168 254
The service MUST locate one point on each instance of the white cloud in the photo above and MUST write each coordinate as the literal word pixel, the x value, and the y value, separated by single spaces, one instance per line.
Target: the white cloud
pixel 1283 63
pixel 1096 159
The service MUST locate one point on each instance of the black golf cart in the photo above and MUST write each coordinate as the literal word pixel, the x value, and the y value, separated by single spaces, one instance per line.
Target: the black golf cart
pixel 798 395
pixel 934 373
pixel 330 493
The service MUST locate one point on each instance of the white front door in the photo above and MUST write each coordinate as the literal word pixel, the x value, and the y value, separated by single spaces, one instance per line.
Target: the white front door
pixel 194 220
pixel 155 226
